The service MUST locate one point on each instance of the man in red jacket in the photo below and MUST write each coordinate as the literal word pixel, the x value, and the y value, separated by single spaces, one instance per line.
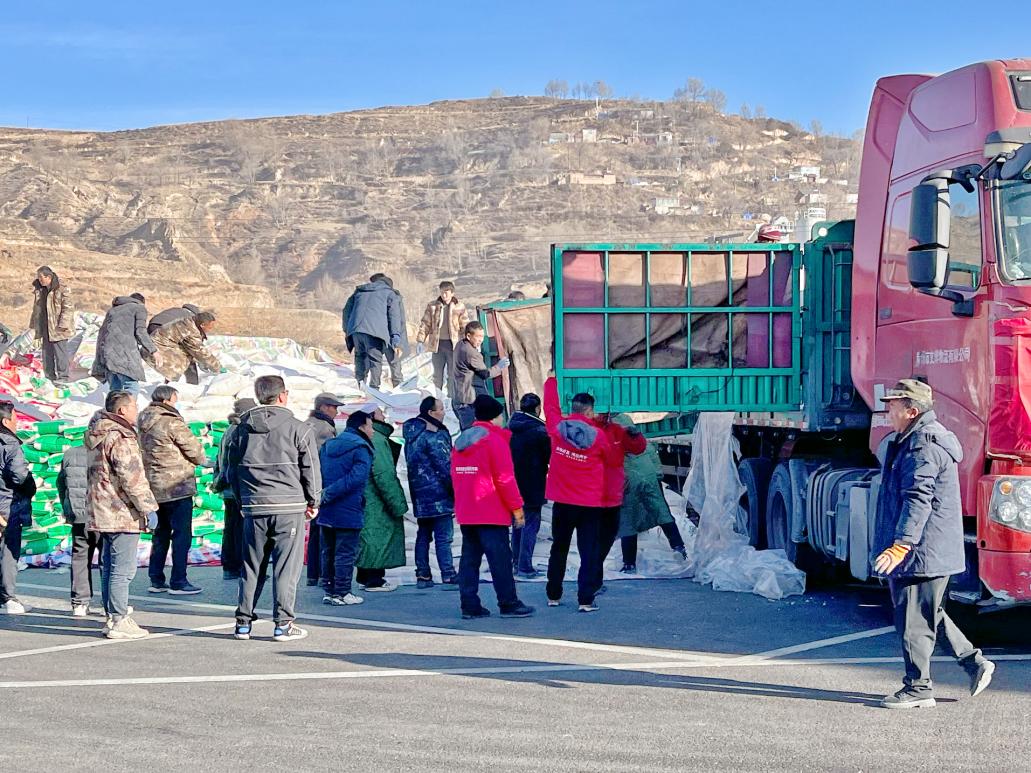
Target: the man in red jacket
pixel 580 455
pixel 486 500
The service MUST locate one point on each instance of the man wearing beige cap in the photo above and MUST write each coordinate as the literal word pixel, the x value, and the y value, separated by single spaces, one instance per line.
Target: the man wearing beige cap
pixel 918 541
pixel 322 421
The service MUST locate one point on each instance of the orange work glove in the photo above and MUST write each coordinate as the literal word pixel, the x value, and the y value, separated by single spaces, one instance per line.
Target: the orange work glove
pixel 888 561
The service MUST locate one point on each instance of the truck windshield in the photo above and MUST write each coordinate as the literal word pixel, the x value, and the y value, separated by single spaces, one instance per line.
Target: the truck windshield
pixel 1015 229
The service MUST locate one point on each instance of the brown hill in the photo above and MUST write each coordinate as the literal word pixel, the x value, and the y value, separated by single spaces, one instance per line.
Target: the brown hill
pixel 292 212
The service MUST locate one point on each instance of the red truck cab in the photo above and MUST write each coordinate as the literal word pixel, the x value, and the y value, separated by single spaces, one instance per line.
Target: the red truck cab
pixel 942 284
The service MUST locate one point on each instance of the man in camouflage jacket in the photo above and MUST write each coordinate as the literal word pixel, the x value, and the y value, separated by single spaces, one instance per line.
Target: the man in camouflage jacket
pixel 181 346
pixel 171 455
pixel 120 505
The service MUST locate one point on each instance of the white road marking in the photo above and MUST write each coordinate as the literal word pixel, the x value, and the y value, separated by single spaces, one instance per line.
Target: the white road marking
pixel 411 628
pixel 819 644
pixel 539 668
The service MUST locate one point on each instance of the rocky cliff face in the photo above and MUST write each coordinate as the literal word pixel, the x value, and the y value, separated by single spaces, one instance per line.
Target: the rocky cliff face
pixel 292 212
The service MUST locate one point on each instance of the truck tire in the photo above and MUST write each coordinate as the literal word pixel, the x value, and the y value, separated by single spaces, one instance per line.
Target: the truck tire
pixel 751 519
pixel 779 504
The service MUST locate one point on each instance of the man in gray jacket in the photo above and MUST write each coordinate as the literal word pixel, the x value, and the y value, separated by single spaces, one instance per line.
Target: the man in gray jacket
pixel 274 472
pixel 374 328
pixel 122 343
pixel 918 541
pixel 471 373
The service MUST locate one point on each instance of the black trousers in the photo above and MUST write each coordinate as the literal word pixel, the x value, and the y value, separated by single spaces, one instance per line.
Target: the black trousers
pixel 55 359
pixel 629 544
pixel 368 358
pixel 232 538
pixel 585 523
pixel 443 360
pixel 85 545
pixel 494 543
pixel 314 554
pixel 608 528
pixel 919 606
pixel 175 529
pixel 281 538
pixel 371 578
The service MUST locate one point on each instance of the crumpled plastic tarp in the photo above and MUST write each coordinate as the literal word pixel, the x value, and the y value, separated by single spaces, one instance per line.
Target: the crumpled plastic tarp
pixel 720 556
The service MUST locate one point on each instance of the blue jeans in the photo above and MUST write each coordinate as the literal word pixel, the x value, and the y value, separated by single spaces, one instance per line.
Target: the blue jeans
pixel 118 561
pixel 175 526
pixel 524 540
pixel 442 531
pixel 119 383
pixel 339 549
pixel 492 542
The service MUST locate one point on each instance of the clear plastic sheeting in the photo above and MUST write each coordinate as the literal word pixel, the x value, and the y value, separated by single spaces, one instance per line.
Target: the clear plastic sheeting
pixel 721 556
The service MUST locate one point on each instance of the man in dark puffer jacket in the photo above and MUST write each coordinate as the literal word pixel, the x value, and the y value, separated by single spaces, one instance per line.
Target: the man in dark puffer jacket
pixel 122 343
pixel 71 486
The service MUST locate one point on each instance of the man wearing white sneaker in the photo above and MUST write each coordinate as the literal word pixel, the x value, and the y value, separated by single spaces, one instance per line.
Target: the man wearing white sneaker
pixel 120 505
pixel 16 490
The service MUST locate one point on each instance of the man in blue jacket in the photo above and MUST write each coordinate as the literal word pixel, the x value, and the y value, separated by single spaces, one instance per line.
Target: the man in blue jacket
pixel 346 460
pixel 918 541
pixel 374 328
pixel 428 456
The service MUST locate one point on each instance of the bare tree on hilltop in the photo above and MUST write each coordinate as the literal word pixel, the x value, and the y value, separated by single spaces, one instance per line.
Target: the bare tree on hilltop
pixel 556 89
pixel 691 91
pixel 716 99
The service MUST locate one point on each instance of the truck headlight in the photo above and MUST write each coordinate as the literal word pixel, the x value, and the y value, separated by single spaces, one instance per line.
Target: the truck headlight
pixel 1023 493
pixel 1011 503
pixel 1008 512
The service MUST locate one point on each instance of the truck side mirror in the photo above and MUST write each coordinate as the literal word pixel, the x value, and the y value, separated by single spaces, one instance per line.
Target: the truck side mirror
pixel 929 221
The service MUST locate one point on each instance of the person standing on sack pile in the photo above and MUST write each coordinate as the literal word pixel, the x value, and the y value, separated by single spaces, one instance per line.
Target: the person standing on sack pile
pixel 487 503
pixel 531 450
pixel 918 541
pixel 53 322
pixel 471 373
pixel 374 329
pixel 232 533
pixel 274 473
pixel 120 505
pixel 624 442
pixel 168 316
pixel 122 343
pixel 181 348
pixel 382 543
pixel 17 487
pixel 439 332
pixel 322 421
pixel 580 452
pixel 428 456
pixel 71 488
pixel 347 464
pixel 171 455
pixel 644 503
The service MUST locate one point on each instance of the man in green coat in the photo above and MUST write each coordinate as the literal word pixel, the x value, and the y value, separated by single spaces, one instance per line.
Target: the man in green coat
pixel 644 503
pixel 382 542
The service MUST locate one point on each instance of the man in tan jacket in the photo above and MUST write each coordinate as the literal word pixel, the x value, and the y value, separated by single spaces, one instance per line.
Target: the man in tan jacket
pixel 440 331
pixel 53 322
pixel 181 346
pixel 171 455
pixel 120 505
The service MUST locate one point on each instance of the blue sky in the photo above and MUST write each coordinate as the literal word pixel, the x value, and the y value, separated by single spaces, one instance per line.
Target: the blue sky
pixel 118 65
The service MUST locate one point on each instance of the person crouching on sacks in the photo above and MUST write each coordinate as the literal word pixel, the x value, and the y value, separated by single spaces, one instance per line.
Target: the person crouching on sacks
pixel 487 501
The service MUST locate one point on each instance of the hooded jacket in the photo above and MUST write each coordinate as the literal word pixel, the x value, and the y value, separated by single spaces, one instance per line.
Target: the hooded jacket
pixel 382 543
pixel 346 466
pixel 53 306
pixel 118 496
pixel 376 309
pixel 170 453
pixel 531 450
pixel 428 456
pixel 168 316
pixel 471 373
pixel 17 486
pixel 71 484
pixel 486 493
pixel 919 501
pixel 121 340
pixel 433 320
pixel 273 464
pixel 580 455
pixel 623 443
pixel 180 344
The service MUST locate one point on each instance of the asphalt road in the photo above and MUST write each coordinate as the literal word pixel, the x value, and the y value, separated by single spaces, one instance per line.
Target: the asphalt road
pixel 667 676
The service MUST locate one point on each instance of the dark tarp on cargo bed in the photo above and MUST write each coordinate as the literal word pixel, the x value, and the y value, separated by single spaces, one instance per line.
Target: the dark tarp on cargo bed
pixel 523 334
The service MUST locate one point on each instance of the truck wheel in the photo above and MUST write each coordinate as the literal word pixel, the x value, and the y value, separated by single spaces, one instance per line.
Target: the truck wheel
pixel 751 509
pixel 779 504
